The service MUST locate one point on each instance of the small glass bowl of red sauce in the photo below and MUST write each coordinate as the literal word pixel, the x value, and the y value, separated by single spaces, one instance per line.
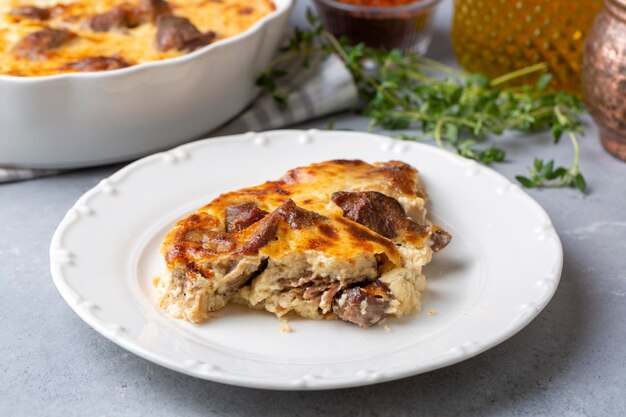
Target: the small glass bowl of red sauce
pixel 382 24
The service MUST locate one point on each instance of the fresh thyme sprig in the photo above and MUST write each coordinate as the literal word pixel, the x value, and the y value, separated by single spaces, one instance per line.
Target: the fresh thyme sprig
pixel 460 110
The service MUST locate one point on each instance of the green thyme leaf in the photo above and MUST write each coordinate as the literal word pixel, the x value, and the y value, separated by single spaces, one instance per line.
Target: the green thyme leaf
pixel 460 110
pixel 526 182
pixel 580 182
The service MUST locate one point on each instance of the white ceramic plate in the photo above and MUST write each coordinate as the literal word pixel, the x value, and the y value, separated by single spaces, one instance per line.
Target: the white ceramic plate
pixel 500 270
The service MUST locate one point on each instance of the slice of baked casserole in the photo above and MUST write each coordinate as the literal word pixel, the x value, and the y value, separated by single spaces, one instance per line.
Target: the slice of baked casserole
pixel 338 239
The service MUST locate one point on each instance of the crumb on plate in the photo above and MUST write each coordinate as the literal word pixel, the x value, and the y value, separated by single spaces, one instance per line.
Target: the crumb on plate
pixel 284 325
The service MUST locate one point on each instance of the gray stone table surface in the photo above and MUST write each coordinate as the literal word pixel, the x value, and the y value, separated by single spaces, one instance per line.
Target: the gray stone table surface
pixel 570 361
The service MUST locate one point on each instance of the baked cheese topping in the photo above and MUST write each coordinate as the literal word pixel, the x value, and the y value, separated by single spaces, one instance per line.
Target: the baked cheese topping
pixel 39 37
pixel 338 239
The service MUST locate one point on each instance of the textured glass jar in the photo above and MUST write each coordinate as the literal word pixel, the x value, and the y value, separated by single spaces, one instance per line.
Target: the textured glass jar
pixel 499 36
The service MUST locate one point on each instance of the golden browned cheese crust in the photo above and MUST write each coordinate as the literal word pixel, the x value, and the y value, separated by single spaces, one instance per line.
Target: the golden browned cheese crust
pixel 310 188
pixel 112 34
pixel 320 234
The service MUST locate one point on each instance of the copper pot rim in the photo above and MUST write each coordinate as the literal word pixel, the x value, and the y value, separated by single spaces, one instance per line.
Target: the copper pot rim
pixel 617 8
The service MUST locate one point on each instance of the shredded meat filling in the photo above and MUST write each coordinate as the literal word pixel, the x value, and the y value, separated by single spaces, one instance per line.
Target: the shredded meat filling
pixel 242 273
pixel 364 302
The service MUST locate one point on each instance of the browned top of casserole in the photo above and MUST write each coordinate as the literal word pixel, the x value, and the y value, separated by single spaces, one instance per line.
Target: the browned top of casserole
pixel 308 209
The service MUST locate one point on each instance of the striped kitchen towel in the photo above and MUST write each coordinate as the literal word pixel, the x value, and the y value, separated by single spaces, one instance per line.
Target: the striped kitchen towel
pixel 326 87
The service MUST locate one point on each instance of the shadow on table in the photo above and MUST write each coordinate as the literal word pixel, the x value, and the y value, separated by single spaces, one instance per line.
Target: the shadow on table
pixel 514 374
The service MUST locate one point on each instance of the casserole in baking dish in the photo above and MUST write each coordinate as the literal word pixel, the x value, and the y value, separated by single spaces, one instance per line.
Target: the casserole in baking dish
pixel 72 115
pixel 87 35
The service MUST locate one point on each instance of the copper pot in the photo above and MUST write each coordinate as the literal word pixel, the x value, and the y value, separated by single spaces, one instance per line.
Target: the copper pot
pixel 604 76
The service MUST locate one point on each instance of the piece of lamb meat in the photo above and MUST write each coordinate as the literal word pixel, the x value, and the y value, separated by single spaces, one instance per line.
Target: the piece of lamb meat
pixel 363 305
pixel 36 45
pixel 96 63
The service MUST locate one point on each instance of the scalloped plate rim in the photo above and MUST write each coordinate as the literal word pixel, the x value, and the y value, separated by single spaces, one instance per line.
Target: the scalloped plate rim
pixel 306 382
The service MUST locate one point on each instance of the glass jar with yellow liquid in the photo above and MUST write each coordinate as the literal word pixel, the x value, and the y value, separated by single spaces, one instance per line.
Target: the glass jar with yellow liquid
pixel 496 37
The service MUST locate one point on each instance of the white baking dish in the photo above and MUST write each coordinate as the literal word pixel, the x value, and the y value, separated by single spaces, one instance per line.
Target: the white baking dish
pixel 82 119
